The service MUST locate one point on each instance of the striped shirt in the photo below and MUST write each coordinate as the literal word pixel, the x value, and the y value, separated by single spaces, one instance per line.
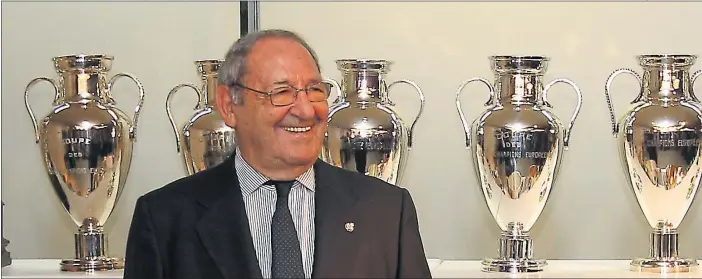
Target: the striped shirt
pixel 259 201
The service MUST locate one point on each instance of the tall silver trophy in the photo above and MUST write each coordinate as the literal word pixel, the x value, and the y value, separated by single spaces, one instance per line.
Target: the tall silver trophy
pixel 86 144
pixel 659 147
pixel 365 132
pixel 204 140
pixel 517 144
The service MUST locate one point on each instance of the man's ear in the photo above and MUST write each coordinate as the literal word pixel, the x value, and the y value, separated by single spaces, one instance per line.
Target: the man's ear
pixel 223 102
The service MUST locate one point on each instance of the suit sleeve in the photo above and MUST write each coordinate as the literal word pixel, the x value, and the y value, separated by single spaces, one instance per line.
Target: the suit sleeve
pixel 142 260
pixel 412 259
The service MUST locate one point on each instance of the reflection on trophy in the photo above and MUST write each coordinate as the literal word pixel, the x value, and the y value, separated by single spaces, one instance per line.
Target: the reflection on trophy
pixel 205 140
pixel 365 133
pixel 659 144
pixel 86 144
pixel 517 146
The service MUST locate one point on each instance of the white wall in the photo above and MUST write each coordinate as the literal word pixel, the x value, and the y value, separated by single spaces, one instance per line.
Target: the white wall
pixel 157 42
pixel 592 213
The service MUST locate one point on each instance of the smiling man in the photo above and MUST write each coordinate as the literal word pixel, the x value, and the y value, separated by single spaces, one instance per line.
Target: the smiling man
pixel 274 210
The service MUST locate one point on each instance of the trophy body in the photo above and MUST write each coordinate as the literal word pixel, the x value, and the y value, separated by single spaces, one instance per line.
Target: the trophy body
pixel 86 143
pixel 517 145
pixel 204 140
pixel 659 147
pixel 365 132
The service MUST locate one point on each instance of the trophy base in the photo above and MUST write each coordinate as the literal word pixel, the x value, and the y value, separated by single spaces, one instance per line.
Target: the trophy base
pixel 91 251
pixel 515 253
pixel 513 266
pixel 664 254
pixel 663 266
pixel 78 265
pixel 6 258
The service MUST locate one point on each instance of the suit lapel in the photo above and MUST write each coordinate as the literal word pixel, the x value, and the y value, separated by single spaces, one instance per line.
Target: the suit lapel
pixel 335 247
pixel 224 227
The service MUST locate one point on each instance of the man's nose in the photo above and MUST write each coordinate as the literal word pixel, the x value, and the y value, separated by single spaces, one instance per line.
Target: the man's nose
pixel 302 107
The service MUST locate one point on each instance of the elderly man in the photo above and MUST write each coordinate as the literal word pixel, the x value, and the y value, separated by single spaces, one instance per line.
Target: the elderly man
pixel 274 210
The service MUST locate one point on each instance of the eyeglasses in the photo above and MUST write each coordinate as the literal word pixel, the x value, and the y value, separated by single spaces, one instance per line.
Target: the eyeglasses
pixel 284 95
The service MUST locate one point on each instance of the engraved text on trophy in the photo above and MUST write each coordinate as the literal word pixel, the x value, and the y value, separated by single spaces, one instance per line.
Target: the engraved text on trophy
pixel 663 167
pixel 522 167
pixel 88 165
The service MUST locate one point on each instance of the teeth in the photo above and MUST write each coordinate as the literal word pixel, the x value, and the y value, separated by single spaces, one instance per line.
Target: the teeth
pixel 297 129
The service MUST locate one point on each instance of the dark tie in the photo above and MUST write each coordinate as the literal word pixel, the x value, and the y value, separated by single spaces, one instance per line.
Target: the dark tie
pixel 287 257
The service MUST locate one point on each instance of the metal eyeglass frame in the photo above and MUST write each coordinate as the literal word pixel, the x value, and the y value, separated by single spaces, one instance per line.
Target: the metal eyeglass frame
pixel 295 93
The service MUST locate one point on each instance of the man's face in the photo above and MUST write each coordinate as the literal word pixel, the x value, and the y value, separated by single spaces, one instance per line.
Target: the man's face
pixel 280 136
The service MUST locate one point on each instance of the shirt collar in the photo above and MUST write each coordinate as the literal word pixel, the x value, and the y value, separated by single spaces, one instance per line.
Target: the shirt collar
pixel 250 179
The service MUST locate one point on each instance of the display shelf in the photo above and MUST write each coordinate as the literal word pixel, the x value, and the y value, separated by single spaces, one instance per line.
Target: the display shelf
pixel 49 269
pixel 433 263
pixel 556 269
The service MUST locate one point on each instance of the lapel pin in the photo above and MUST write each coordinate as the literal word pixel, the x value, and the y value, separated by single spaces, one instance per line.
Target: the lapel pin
pixel 349 226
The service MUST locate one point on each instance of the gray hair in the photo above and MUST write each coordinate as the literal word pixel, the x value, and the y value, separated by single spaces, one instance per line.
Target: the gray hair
pixel 235 66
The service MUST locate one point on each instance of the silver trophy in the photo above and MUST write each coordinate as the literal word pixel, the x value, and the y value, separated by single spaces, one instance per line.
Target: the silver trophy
pixel 86 144
pixel 659 144
pixel 517 144
pixel 365 132
pixel 204 140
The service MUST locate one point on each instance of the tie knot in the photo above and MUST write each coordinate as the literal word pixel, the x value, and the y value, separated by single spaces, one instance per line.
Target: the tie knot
pixel 282 187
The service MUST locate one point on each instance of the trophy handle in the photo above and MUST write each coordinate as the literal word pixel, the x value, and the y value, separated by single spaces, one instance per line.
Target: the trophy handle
pixel 608 86
pixel 569 130
pixel 137 109
pixel 57 98
pixel 466 126
pixel 692 85
pixel 421 106
pixel 337 88
pixel 168 108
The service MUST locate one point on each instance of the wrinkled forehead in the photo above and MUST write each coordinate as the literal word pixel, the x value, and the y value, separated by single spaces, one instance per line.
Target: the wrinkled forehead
pixel 281 59
pixel 284 67
pixel 281 50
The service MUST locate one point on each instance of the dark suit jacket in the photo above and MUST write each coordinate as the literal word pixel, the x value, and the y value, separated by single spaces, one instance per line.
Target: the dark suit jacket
pixel 196 227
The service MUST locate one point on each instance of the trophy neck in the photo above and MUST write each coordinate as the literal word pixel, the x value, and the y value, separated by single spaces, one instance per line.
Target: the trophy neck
pixel 364 87
pixel 82 85
pixel 518 89
pixel 363 80
pixel 666 85
pixel 518 78
pixel 209 73
pixel 83 76
pixel 209 90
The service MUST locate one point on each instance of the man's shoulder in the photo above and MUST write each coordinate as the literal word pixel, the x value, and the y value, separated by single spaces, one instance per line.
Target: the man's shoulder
pixel 185 188
pixel 366 185
pixel 380 200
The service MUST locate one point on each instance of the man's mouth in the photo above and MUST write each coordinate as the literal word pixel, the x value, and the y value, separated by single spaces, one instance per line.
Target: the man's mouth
pixel 297 129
